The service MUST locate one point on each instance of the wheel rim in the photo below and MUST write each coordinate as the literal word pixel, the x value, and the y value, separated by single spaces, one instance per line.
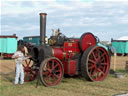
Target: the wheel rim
pixel 51 72
pixel 29 71
pixel 98 64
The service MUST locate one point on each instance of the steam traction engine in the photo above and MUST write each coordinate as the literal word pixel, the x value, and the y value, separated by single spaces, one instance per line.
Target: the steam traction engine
pixel 66 56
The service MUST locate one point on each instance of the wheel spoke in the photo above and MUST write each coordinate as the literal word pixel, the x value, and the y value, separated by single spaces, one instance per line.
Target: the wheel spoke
pixel 56 65
pixel 90 64
pixel 104 64
pixel 29 62
pixel 96 75
pixel 90 71
pixel 91 61
pixel 26 62
pixel 93 72
pixel 102 59
pixel 47 77
pixel 45 73
pixel 90 67
pixel 101 67
pixel 94 55
pixel 52 64
pixel 100 71
pixel 53 78
pixel 56 76
pixel 32 72
pixel 23 66
pixel 98 53
pixel 50 78
pixel 49 70
pixel 104 68
pixel 26 74
pixel 102 56
pixel 57 71
pixel 48 65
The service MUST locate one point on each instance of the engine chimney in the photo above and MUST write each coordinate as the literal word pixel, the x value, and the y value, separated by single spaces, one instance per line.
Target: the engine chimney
pixel 42 28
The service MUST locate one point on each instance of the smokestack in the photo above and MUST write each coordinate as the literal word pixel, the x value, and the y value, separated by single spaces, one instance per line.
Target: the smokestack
pixel 42 28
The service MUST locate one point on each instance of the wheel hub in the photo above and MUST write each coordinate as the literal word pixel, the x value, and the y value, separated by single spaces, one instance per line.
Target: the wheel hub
pixel 53 72
pixel 27 69
pixel 98 64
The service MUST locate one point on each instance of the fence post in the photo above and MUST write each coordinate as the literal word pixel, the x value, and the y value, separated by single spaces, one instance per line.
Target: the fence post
pixel 126 66
pixel 114 61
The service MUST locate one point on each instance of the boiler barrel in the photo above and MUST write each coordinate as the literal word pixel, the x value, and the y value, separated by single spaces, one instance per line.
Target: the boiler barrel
pixel 58 53
pixel 61 54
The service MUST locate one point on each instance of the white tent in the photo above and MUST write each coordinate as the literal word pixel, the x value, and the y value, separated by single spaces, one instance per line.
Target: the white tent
pixel 123 38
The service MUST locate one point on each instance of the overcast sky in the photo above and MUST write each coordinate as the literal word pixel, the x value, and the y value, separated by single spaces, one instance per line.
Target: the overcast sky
pixel 104 18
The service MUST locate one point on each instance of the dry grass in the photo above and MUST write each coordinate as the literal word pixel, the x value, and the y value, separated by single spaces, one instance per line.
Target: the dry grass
pixel 120 62
pixel 75 86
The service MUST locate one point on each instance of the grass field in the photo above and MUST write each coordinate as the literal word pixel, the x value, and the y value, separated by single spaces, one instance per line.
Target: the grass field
pixel 71 86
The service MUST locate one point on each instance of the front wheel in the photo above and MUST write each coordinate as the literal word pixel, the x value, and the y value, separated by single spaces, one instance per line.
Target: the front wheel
pixel 51 71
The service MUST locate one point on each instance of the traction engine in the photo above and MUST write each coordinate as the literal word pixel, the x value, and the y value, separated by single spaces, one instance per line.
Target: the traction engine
pixel 66 56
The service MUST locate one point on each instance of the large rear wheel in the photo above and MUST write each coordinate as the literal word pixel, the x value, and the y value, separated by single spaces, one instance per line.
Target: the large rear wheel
pixel 51 71
pixel 95 63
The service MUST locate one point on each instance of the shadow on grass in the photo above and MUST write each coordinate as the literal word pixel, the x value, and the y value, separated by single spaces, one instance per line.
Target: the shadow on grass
pixel 76 77
pixel 122 71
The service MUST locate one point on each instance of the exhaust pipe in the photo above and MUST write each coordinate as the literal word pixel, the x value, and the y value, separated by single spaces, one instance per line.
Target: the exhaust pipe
pixel 42 27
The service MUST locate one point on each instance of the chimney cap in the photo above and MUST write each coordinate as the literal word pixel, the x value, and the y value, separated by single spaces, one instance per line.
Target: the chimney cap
pixel 43 14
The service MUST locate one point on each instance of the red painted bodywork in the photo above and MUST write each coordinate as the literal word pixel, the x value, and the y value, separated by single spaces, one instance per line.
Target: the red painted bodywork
pixel 58 53
pixel 70 48
pixel 65 54
pixel 70 67
pixel 67 51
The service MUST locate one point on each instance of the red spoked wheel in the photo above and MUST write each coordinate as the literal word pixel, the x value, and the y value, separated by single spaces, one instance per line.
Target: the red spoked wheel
pixel 51 71
pixel 95 63
pixel 29 71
